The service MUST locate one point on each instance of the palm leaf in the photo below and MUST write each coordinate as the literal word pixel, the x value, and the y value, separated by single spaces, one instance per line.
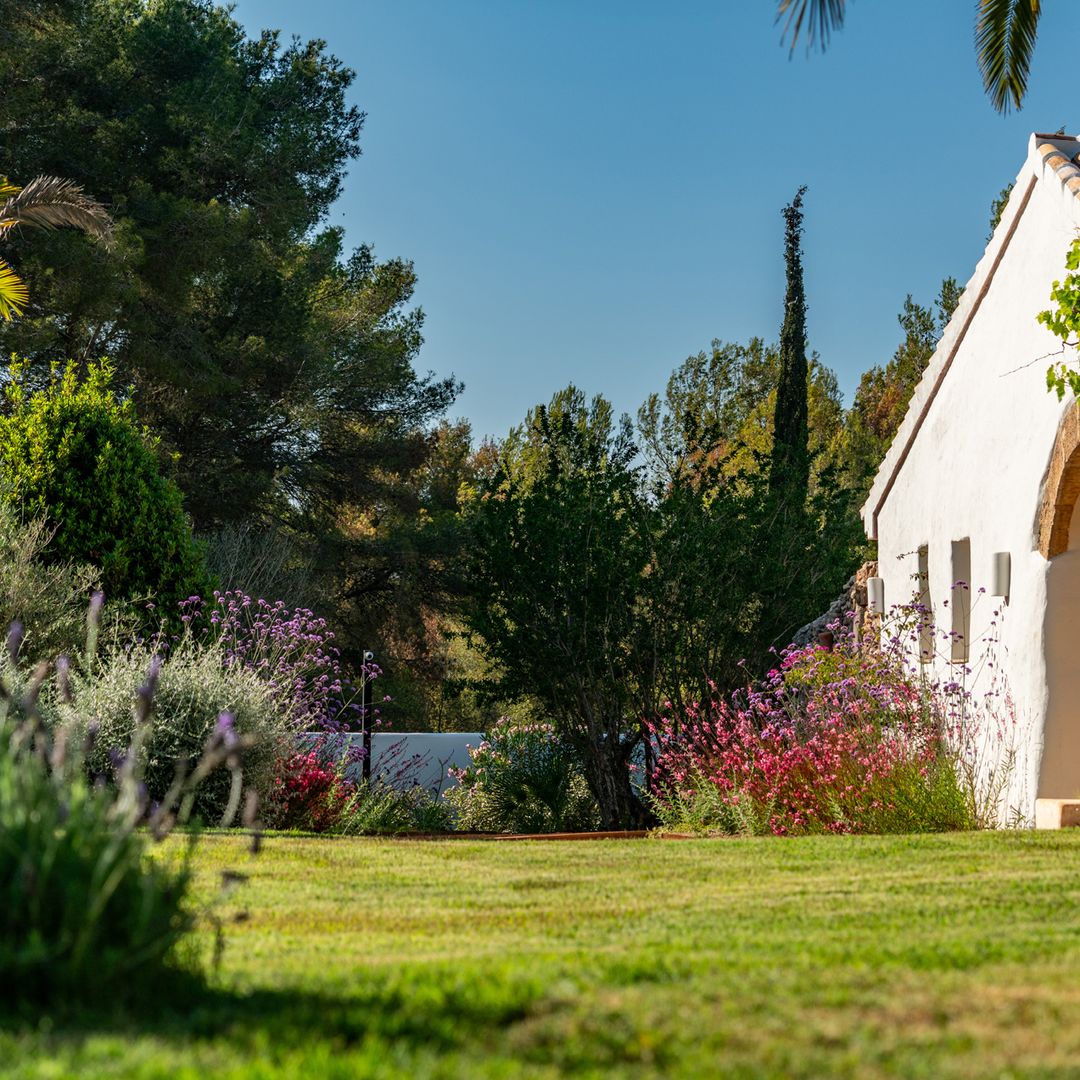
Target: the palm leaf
pixel 1005 33
pixel 817 19
pixel 50 202
pixel 13 292
pixel 7 187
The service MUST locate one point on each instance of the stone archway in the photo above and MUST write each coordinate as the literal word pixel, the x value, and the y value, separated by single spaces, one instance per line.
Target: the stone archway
pixel 1062 487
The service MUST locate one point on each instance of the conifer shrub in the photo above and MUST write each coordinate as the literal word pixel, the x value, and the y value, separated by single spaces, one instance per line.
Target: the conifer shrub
pixel 73 454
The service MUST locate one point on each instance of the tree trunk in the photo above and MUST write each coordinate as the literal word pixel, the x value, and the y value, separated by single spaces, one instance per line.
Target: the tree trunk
pixel 608 773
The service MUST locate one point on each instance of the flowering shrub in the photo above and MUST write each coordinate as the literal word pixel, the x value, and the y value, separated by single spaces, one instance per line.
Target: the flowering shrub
pixel 311 792
pixel 522 779
pixel 830 741
pixel 320 790
pixel 293 651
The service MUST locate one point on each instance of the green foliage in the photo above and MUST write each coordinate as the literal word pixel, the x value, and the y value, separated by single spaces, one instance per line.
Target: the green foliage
pixel 72 453
pixel 275 365
pixel 702 809
pixel 790 460
pixel 48 599
pixel 554 566
pixel 382 810
pixel 194 687
pixel 997 208
pixel 721 405
pixel 85 916
pixel 523 778
pixel 881 399
pixel 1063 321
pixel 726 581
pixel 601 591
pixel 1005 35
pixel 915 798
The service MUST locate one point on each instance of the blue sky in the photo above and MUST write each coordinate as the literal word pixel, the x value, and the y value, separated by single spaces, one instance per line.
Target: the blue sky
pixel 591 189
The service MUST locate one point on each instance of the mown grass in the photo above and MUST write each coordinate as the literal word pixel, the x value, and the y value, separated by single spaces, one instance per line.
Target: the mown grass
pixel 932 956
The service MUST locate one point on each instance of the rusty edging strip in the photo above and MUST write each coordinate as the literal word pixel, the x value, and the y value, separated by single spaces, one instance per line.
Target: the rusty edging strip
pixel 955 349
pixel 630 834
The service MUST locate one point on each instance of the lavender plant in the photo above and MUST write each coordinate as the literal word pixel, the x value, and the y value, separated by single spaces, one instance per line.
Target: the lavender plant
pixel 86 918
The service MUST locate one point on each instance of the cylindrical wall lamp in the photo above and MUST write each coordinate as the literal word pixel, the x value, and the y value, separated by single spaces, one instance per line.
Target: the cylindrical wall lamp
pixel 875 595
pixel 1001 574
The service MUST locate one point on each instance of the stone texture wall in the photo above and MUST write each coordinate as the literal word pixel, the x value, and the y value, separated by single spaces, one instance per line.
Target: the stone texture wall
pixel 850 610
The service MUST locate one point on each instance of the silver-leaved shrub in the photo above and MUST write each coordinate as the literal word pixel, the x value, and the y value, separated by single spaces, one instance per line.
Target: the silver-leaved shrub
pixel 194 688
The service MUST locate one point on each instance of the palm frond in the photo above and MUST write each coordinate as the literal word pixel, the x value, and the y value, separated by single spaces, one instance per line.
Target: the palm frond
pixel 1005 32
pixel 817 19
pixel 50 202
pixel 14 295
pixel 7 187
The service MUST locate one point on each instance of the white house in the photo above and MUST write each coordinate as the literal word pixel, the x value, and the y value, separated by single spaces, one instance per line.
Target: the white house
pixel 987 463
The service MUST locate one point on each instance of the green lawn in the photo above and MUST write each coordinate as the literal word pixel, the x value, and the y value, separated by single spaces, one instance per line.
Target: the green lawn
pixel 935 956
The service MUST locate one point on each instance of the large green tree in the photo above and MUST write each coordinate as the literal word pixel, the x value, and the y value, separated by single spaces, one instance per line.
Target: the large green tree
pixel 276 366
pixel 559 549
pixel 1005 34
pixel 734 570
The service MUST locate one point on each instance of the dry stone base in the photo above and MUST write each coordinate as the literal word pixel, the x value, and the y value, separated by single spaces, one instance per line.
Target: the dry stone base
pixel 848 609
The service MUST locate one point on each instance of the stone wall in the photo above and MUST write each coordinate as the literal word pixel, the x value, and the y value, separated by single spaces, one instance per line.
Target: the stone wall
pixel 849 609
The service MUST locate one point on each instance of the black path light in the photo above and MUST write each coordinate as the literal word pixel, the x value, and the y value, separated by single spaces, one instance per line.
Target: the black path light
pixel 365 712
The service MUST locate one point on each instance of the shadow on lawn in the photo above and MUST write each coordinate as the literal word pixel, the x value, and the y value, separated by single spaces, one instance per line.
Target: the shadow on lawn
pixel 436 1017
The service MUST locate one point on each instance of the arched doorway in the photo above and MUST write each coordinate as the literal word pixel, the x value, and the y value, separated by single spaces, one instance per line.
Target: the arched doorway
pixel 1059 542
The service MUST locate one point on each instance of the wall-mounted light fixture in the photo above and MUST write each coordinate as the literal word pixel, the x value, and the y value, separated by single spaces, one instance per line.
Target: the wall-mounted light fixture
pixel 1001 574
pixel 875 595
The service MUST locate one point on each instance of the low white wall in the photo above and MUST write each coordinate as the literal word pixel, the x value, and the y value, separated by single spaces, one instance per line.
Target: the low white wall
pixel 414 758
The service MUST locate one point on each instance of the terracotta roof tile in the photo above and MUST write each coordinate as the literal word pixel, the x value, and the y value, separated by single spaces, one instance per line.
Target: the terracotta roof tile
pixel 1066 168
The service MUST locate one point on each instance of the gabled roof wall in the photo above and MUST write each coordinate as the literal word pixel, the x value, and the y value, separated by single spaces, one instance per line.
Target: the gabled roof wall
pixel 1051 160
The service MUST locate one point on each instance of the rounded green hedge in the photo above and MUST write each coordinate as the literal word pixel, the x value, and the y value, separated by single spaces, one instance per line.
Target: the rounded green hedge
pixel 73 452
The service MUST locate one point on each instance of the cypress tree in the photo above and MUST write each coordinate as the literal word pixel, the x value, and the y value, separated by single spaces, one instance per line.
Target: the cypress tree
pixel 789 475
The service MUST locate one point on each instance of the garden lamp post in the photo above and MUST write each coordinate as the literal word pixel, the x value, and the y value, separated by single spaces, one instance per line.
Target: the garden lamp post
pixel 365 714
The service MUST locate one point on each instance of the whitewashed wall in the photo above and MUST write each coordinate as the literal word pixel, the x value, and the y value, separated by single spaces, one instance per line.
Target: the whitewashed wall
pixel 426 757
pixel 977 467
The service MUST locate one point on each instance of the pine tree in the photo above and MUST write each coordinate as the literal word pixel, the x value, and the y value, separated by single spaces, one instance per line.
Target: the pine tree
pixel 790 471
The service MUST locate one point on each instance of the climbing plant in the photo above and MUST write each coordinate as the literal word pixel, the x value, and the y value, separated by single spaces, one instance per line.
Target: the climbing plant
pixel 1063 320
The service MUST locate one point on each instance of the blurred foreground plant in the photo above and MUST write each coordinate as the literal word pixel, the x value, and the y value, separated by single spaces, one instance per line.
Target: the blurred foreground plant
pixel 86 917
